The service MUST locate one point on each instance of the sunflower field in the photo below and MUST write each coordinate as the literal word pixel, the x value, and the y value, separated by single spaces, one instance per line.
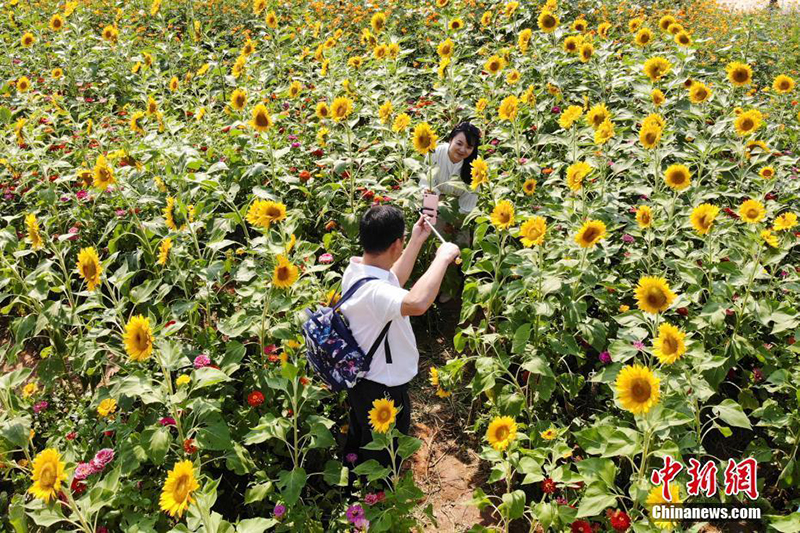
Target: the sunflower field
pixel 182 179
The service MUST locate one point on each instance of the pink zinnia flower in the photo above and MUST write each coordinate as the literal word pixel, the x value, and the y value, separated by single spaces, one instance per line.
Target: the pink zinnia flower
pixel 201 361
pixel 326 258
pixel 102 458
pixel 167 421
pixel 83 470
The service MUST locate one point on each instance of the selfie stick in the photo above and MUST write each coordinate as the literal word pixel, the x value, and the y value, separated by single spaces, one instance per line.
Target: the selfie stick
pixel 458 259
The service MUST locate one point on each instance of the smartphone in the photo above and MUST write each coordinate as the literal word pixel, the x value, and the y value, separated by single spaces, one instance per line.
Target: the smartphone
pixel 430 206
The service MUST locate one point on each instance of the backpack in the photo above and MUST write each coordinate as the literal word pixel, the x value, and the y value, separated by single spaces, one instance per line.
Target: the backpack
pixel 331 349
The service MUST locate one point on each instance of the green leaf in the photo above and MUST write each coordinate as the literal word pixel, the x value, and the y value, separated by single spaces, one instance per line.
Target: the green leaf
pixel 321 437
pixel 732 413
pixel 291 483
pixel 214 435
pixel 269 427
pixel 373 470
pixel 16 515
pixel 521 337
pixel 156 442
pixel 408 446
pixel 336 473
pixel 16 431
pixel 255 525
pixel 208 376
pixel 785 524
pixel 513 505
pixel 595 500
pixel 258 492
pixel 143 292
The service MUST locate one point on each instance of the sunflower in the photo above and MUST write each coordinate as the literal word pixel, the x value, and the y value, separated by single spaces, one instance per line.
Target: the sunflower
pixel 494 65
pixel 575 174
pixel 656 68
pixel 238 66
pixel 89 267
pixel 152 106
pixel 579 25
pixel 587 51
pixel 682 38
pixel 656 497
pixel 445 48
pixel 657 97
pixel 602 29
pixel 380 52
pixel 784 222
pixel 322 111
pixel 378 22
pixel 665 22
pixel 355 62
pixel 547 21
pixel 33 231
pixel 532 232
pixel 675 29
pixel 549 434
pixel 103 174
pixel 637 389
pixel 678 177
pixel 529 187
pixel 163 251
pixel 173 84
pixel 285 273
pixel 56 22
pixel 48 473
pixel 752 211
pixel 653 294
pixel 604 132
pixel 23 84
pixel 456 24
pixel 384 112
pixel 134 122
pixel 573 43
pixel 169 215
pixel 643 37
pixel 590 233
pixel 238 99
pixel 27 40
pixel 702 217
pixel 424 138
pixel 669 346
pixel 263 213
pixel 480 172
pixel 394 50
pixel 699 92
pixel 644 216
pixel 513 77
pixel 110 34
pixel 508 108
pixel 524 40
pixel 767 172
pixel 295 89
pixel 783 84
pixel 401 122
pixel 739 74
pixel 503 215
pixel 569 116
pixel 634 24
pixel 769 238
pixel 261 120
pixel 486 18
pixel 271 20
pixel 650 136
pixel 502 432
pixel 176 494
pixel 106 408
pixel 155 7
pixel 434 377
pixel 341 108
pixel 748 122
pixel 138 338
pixel 259 6
pixel 382 415
pixel 57 73
pixel 597 115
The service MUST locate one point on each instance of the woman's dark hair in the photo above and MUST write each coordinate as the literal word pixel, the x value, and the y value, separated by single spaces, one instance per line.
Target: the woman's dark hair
pixel 380 226
pixel 473 136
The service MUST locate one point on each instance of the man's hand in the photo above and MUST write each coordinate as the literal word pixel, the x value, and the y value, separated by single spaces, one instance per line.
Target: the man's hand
pixel 421 230
pixel 448 251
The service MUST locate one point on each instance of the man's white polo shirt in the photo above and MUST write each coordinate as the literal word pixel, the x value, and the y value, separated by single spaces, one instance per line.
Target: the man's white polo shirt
pixel 373 305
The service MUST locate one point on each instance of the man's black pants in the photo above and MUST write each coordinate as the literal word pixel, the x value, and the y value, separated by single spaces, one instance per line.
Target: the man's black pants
pixel 359 433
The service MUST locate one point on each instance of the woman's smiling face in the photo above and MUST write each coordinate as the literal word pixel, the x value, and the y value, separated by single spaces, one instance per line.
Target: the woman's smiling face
pixel 459 148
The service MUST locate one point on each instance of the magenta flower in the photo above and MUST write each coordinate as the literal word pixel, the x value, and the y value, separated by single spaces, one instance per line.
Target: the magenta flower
pixel 326 258
pixel 627 238
pixel 639 345
pixel 167 421
pixel 351 458
pixel 605 358
pixel 102 459
pixel 120 212
pixel 38 407
pixel 81 195
pixel 371 499
pixel 279 511
pixel 361 523
pixel 83 470
pixel 201 361
pixel 355 512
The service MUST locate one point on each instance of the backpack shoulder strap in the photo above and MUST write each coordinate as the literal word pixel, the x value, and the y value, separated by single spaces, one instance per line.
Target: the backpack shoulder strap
pixel 357 285
pixel 383 336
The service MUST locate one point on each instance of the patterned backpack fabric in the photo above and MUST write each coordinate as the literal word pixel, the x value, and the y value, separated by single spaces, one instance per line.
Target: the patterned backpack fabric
pixel 332 350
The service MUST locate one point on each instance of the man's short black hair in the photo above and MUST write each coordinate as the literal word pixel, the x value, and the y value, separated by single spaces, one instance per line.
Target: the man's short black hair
pixel 380 226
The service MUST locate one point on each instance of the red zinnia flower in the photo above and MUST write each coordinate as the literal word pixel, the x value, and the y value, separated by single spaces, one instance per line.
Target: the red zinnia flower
pixel 620 520
pixel 548 486
pixel 255 398
pixel 581 526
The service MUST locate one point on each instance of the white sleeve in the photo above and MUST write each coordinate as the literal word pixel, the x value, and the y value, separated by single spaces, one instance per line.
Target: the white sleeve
pixel 385 301
pixel 467 202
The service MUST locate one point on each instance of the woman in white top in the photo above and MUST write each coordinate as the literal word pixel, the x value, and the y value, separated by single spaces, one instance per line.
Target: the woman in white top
pixel 454 158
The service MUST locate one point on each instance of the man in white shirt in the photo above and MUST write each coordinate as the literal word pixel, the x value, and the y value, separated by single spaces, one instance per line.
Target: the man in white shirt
pixel 376 303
